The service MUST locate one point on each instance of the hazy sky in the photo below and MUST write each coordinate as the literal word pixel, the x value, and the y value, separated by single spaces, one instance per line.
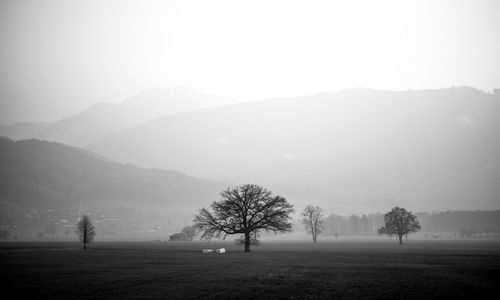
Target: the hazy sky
pixel 57 57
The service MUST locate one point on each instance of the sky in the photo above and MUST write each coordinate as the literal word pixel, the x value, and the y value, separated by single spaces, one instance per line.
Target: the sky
pixel 58 57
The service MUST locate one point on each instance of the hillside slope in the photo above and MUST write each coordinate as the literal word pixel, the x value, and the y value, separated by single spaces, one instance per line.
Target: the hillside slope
pixel 22 130
pixel 352 150
pixel 41 175
pixel 105 118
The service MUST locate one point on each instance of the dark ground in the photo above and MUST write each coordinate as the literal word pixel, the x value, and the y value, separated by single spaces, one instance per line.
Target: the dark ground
pixel 416 270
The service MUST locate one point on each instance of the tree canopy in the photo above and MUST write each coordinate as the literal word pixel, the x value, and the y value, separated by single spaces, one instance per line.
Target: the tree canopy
pixel 246 210
pixel 85 231
pixel 399 222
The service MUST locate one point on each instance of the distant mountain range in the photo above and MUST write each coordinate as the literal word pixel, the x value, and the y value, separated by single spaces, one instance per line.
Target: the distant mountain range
pixel 22 130
pixel 429 149
pixel 356 150
pixel 105 118
pixel 39 175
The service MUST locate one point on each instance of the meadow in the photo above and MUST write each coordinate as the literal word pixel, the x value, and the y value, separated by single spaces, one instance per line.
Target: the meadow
pixel 378 269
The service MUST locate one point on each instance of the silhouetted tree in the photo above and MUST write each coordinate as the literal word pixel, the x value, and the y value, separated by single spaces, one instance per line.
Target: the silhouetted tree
pixel 85 231
pixel 399 222
pixel 245 210
pixel 4 234
pixel 189 231
pixel 312 221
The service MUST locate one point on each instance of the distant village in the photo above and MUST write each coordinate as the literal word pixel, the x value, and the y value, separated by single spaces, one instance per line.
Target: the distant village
pixel 60 224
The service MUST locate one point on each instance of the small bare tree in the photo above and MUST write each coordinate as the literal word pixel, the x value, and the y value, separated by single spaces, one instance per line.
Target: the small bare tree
pixel 85 231
pixel 312 221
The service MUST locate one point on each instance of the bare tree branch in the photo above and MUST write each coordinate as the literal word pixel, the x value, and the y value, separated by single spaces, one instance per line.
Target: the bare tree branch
pixel 247 210
pixel 399 222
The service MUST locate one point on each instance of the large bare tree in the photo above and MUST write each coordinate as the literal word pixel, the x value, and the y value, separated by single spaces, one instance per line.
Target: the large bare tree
pixel 85 231
pixel 312 221
pixel 245 210
pixel 399 222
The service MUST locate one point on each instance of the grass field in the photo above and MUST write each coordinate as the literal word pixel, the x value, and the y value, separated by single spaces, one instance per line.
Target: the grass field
pixel 286 270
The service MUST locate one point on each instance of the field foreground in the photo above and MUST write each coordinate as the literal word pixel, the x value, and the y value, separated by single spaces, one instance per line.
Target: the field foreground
pixel 287 270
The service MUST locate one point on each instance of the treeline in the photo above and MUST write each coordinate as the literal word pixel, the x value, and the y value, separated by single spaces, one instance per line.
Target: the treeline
pixel 335 225
pixel 465 223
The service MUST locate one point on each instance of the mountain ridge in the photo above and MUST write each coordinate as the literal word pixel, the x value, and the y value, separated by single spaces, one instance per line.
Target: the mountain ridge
pixel 443 140
pixel 104 118
pixel 41 174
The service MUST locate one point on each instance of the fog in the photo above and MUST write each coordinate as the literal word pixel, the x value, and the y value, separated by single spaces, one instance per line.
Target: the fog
pixel 60 57
pixel 141 112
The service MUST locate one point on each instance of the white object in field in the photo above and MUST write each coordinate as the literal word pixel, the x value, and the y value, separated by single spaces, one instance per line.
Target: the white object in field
pixel 221 250
pixel 207 251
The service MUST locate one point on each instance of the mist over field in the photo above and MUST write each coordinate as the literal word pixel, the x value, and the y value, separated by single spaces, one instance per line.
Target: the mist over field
pixel 353 152
pixel 321 146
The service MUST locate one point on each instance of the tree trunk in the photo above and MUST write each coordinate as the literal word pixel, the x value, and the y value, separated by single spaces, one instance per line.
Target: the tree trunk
pixel 247 242
pixel 84 246
pixel 314 238
pixel 400 239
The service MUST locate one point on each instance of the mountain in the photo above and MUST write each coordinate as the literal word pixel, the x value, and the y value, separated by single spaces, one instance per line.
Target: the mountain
pixel 354 150
pixel 22 130
pixel 105 118
pixel 39 175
